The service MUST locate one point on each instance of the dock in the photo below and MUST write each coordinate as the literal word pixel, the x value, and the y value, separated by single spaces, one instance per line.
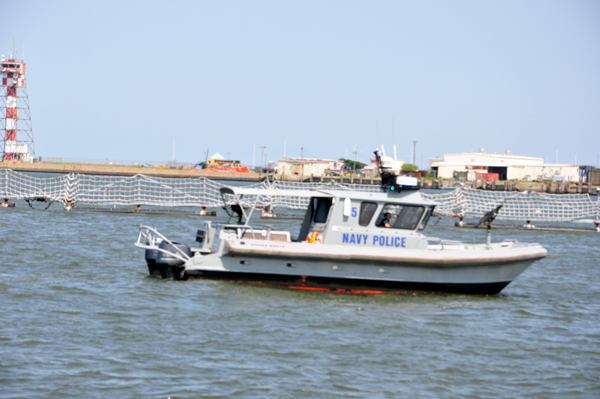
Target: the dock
pixel 115 170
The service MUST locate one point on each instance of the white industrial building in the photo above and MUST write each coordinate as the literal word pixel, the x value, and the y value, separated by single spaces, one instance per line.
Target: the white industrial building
pixel 305 167
pixel 506 166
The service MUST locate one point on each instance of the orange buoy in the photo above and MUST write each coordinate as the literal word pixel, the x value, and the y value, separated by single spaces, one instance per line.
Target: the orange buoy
pixel 314 238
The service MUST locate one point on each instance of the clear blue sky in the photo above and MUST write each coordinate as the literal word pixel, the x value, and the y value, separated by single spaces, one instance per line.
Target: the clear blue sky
pixel 122 79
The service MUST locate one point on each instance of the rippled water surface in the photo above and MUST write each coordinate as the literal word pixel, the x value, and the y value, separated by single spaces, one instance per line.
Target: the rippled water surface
pixel 81 318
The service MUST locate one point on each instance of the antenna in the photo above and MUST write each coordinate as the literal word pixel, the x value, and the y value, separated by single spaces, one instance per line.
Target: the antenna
pixel 394 139
pixel 378 134
pixel 16 142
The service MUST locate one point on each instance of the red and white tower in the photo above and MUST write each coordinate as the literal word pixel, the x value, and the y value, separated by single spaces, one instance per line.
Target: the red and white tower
pixel 15 115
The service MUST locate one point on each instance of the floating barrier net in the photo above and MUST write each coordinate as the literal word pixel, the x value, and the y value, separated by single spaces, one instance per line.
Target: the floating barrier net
pixel 167 192
pixel 517 206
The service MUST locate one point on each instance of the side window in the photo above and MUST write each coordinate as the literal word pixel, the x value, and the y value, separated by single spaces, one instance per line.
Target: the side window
pixel 367 210
pixel 323 205
pixel 383 219
pixel 404 217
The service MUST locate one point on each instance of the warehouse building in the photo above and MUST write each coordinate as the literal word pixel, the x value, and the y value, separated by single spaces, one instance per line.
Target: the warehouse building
pixel 482 166
pixel 306 167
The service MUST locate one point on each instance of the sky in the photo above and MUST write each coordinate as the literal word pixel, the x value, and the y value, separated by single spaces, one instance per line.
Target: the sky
pixel 157 80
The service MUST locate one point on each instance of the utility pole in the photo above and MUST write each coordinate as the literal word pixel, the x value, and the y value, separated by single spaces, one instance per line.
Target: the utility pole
pixel 302 164
pixel 354 166
pixel 206 161
pixel 414 151
pixel 261 161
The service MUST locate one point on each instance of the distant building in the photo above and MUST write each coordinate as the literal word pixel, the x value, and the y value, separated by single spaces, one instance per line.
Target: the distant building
pixel 482 166
pixel 305 167
pixel 589 175
pixel 219 160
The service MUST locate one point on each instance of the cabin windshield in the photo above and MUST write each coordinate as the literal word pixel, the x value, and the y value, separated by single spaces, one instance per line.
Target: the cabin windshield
pixel 405 217
pixel 425 219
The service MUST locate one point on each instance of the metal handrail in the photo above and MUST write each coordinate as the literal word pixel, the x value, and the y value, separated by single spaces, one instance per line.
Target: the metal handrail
pixel 146 234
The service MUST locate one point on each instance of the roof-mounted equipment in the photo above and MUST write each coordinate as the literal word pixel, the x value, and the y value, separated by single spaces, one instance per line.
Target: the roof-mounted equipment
pixel 390 181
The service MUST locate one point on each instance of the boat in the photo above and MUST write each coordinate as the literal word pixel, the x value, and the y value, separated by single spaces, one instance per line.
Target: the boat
pixel 349 242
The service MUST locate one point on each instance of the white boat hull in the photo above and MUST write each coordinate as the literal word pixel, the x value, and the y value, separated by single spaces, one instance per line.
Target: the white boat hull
pixel 473 270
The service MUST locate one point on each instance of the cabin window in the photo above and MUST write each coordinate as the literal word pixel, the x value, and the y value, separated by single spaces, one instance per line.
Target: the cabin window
pixel 367 210
pixel 404 217
pixel 425 219
pixel 322 209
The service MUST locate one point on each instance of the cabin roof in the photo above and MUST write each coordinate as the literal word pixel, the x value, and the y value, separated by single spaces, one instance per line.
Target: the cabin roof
pixel 406 196
pixel 279 193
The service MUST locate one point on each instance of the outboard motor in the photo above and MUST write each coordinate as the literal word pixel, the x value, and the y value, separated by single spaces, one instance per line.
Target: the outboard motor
pixel 168 265
pixel 150 256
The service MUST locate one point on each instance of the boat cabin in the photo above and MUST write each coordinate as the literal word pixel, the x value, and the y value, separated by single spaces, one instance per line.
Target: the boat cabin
pixel 386 219
pixel 391 218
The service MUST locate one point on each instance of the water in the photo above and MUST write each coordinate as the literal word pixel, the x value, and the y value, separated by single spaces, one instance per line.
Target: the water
pixel 81 318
